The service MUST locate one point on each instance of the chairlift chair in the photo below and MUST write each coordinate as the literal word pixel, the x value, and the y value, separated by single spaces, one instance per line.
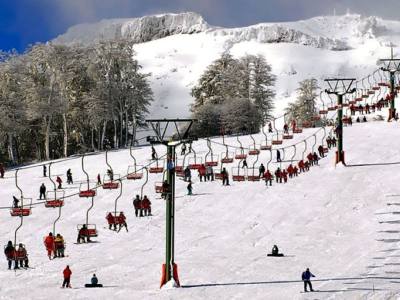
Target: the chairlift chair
pixel 195 162
pixel 22 211
pixel 158 187
pixel 53 200
pixel 240 154
pixel 157 169
pixel 86 193
pixel 238 174
pixel 90 231
pixel 133 173
pixel 110 184
pixel 227 157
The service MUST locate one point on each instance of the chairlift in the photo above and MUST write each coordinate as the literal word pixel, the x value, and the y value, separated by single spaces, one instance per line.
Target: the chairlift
pixel 211 160
pixel 239 153
pixel 238 174
pixel 253 148
pixel 84 188
pixel 264 145
pixel 88 230
pixel 110 184
pixel 133 173
pixel 157 169
pixel 22 210
pixel 277 141
pixel 116 218
pixel 252 176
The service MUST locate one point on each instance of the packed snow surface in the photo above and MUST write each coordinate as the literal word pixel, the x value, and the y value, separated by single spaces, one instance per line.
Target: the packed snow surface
pixel 341 222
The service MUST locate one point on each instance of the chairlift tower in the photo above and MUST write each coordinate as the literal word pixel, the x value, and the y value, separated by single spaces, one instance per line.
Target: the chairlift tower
pixel 161 129
pixel 392 66
pixel 340 87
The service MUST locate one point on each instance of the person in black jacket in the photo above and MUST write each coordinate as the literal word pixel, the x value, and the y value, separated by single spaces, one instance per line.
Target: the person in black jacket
pixel 42 191
pixel 306 277
pixel 9 251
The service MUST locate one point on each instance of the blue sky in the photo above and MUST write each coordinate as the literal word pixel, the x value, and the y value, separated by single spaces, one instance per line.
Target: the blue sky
pixel 23 22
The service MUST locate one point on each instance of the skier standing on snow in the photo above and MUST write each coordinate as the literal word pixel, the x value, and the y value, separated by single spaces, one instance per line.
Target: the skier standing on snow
pixel 42 191
pixel 146 205
pixel 59 245
pixel 268 177
pixel 261 170
pixel 69 177
pixel 278 156
pixel 9 251
pixel 59 181
pixel 67 277
pixel 49 244
pixel 44 171
pixel 22 257
pixel 122 221
pixel 202 173
pixel 210 173
pixel 137 205
pixel 187 174
pixel 306 277
pixel 190 189
pixel 225 177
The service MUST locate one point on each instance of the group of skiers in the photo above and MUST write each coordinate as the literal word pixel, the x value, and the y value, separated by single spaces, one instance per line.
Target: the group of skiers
pixel 19 256
pixel 55 245
pixel 114 220
pixel 142 206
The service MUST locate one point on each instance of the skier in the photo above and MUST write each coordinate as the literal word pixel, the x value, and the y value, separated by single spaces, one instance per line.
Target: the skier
pixel 261 170
pixel 306 277
pixel 315 158
pixel 307 165
pixel 67 277
pixel 15 202
pixel 284 175
pixel 122 221
pixel 295 171
pixel 83 235
pixel 42 191
pixel 278 156
pixel 69 177
pixel 44 171
pixel 1 171
pixel 350 121
pixel 137 205
pixel 278 176
pixel 22 257
pixel 110 174
pixel 333 141
pixel 59 181
pixel 190 189
pixel 49 244
pixel 210 173
pixel 269 127
pixel 225 177
pixel 286 128
pixel 165 190
pixel 153 153
pixel 146 204
pixel 329 142
pixel 290 171
pixel 321 151
pixel 9 251
pixel 111 221
pixel 310 158
pixel 358 120
pixel 367 107
pixel 59 245
pixel 293 125
pixel 301 166
pixel 244 164
pixel 275 250
pixel 202 173
pixel 183 149
pixel 364 119
pixel 268 177
pixel 187 174
pixel 98 179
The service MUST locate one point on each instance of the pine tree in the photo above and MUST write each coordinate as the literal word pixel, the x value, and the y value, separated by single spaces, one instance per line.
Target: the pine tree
pixel 303 110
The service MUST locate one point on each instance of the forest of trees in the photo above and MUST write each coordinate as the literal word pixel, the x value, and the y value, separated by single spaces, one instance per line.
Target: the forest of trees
pixel 58 100
pixel 233 96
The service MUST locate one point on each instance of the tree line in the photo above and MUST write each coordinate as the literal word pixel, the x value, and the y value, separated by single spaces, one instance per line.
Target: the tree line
pixel 58 100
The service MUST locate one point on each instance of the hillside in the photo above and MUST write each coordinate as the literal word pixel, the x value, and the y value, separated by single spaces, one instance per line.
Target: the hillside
pixel 340 222
pixel 176 49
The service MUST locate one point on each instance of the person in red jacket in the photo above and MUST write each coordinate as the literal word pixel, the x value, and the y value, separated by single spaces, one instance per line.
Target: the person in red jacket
pixel 59 181
pixel 310 158
pixel 295 171
pixel 293 125
pixel 67 277
pixel 49 244
pixel 290 171
pixel 146 206
pixel 122 221
pixel 301 166
pixel 268 177
pixel 111 221
pixel 202 172
pixel 284 175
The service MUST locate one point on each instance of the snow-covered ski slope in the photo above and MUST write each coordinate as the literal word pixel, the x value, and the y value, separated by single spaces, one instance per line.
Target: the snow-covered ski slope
pixel 320 47
pixel 340 222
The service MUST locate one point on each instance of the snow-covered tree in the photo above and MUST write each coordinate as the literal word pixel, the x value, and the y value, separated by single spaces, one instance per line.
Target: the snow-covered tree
pixel 304 108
